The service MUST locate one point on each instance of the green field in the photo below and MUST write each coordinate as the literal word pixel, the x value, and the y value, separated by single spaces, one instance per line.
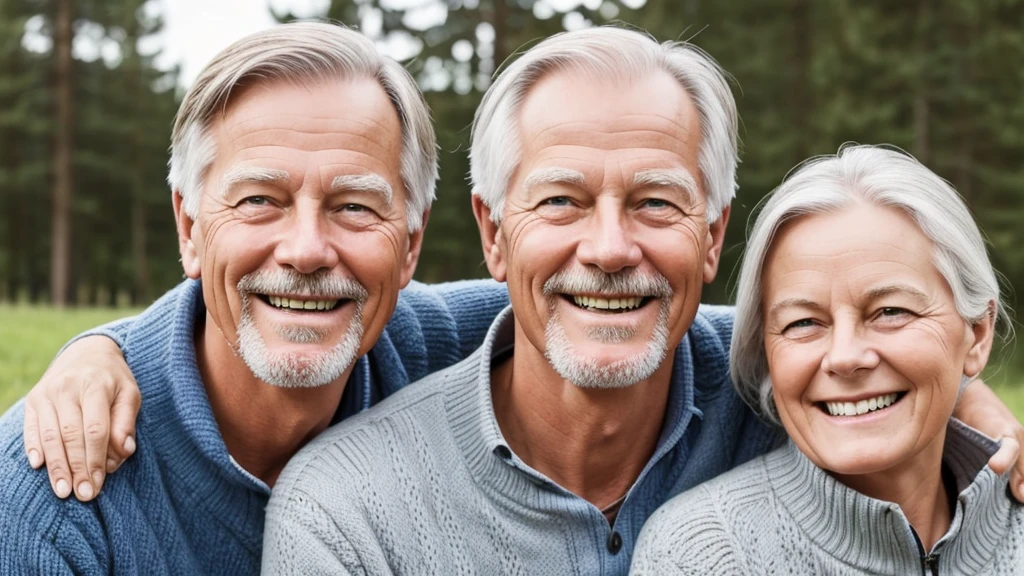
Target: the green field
pixel 30 336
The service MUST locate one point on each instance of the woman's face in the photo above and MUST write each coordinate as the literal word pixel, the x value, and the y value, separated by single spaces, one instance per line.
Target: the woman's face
pixel 865 346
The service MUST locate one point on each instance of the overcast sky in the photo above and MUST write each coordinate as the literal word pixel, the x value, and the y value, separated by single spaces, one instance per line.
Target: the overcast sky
pixel 196 30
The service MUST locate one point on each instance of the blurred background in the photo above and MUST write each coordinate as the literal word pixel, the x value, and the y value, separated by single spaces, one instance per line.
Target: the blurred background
pixel 88 90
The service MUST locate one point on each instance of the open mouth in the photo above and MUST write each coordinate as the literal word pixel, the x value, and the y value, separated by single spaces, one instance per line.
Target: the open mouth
pixel 306 305
pixel 601 304
pixel 861 407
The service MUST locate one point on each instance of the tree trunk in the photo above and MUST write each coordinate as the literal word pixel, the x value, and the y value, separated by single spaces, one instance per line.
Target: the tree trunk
pixel 800 12
pixel 921 104
pixel 60 258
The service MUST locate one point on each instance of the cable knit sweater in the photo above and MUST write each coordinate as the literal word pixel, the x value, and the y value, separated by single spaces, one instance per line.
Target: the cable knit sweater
pixel 426 484
pixel 181 505
pixel 781 514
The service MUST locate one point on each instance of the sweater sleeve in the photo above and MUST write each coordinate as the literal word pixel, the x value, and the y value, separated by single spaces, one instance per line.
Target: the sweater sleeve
pixel 116 330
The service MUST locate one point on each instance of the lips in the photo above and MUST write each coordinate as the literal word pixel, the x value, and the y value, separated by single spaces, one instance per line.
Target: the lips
pixel 604 304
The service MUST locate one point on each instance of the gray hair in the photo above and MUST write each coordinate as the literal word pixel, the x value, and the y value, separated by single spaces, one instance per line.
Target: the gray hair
pixel 605 52
pixel 301 52
pixel 883 177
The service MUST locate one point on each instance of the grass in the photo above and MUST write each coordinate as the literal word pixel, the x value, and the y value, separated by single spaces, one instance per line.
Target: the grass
pixel 31 335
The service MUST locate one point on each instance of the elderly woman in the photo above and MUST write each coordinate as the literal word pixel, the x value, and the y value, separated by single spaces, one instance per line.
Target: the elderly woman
pixel 866 301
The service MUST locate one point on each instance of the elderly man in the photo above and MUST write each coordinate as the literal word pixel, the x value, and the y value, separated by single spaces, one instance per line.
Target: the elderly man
pixel 302 168
pixel 603 168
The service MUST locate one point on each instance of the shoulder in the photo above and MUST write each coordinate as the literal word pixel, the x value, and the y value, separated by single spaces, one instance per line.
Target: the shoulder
pixel 698 531
pixel 348 453
pixel 42 532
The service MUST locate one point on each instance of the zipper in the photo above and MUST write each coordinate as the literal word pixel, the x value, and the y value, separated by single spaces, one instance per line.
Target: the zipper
pixel 931 564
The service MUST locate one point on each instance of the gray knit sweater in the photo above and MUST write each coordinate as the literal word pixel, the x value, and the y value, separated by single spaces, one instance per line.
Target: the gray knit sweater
pixel 781 514
pixel 425 483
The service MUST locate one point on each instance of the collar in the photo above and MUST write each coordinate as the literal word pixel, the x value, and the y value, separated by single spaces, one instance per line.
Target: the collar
pixel 470 407
pixel 875 535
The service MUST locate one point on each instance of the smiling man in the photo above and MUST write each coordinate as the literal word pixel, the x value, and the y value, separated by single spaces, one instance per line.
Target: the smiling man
pixel 603 166
pixel 302 168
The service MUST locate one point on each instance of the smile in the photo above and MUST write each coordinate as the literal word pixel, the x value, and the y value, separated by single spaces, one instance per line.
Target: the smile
pixel 622 304
pixel 284 303
pixel 862 406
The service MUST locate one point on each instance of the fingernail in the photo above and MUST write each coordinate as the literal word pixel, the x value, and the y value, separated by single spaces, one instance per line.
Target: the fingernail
pixel 129 445
pixel 62 488
pixel 97 478
pixel 33 459
pixel 85 490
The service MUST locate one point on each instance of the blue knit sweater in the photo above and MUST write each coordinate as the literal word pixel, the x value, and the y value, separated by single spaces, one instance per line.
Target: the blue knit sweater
pixel 181 505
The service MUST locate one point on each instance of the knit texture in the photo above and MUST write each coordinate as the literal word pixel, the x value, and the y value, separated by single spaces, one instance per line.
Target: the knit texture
pixel 181 505
pixel 425 483
pixel 781 514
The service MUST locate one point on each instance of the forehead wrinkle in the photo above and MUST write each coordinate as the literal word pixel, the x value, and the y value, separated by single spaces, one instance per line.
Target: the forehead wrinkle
pixel 371 183
pixel 270 131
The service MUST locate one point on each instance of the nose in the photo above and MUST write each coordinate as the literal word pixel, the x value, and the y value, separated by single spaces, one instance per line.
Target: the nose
pixel 306 244
pixel 848 352
pixel 609 241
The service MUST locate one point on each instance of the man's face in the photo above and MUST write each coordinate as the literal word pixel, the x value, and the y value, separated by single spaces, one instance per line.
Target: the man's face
pixel 604 241
pixel 301 239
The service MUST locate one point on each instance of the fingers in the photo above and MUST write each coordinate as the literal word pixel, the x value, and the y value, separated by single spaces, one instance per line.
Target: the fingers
pixel 1006 456
pixel 96 418
pixel 30 431
pixel 1017 477
pixel 72 432
pixel 53 451
pixel 122 436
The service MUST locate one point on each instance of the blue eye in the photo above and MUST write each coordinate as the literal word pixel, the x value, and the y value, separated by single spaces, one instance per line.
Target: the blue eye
pixel 354 208
pixel 893 311
pixel 655 203
pixel 804 323
pixel 256 200
pixel 557 201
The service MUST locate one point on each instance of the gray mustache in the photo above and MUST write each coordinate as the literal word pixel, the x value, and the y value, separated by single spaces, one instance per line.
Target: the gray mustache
pixel 591 281
pixel 322 285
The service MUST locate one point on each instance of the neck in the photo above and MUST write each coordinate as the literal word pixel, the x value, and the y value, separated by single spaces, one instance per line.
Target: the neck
pixel 592 442
pixel 263 426
pixel 917 486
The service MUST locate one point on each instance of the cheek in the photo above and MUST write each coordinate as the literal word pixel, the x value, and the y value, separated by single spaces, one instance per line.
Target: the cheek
pixel 792 368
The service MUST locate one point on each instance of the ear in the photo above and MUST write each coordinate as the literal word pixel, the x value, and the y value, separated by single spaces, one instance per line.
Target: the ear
pixel 716 233
pixel 412 256
pixel 489 239
pixel 186 245
pixel 982 334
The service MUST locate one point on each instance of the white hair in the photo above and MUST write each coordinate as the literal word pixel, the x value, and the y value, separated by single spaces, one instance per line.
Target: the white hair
pixel 883 177
pixel 301 52
pixel 605 52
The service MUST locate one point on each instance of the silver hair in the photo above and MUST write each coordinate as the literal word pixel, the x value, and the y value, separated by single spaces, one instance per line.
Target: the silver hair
pixel 301 52
pixel 606 52
pixel 881 176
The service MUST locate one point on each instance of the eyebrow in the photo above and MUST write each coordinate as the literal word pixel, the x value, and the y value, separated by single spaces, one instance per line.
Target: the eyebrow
pixel 791 303
pixel 252 174
pixel 371 183
pixel 878 292
pixel 553 176
pixel 677 178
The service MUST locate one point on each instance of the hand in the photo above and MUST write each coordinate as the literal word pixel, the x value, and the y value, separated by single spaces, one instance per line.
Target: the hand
pixel 980 408
pixel 80 417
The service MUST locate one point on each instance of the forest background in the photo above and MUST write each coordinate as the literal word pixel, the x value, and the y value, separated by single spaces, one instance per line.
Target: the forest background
pixel 85 215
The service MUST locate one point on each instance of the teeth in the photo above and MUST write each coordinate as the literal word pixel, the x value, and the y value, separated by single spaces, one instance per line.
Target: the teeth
pixel 607 303
pixel 289 303
pixel 861 407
